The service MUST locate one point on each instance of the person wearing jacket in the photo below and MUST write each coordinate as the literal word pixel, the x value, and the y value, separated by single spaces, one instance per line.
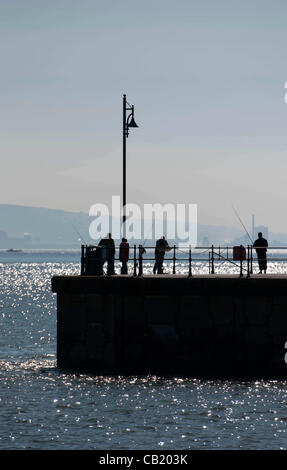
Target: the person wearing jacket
pixel 261 251
pixel 161 247
pixel 124 255
pixel 108 253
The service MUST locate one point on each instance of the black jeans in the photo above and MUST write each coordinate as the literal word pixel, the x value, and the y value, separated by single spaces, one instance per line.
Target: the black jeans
pixel 111 266
pixel 158 264
pixel 262 261
pixel 124 268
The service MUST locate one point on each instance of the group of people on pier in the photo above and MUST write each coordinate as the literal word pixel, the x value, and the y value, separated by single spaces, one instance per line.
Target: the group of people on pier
pixel 106 254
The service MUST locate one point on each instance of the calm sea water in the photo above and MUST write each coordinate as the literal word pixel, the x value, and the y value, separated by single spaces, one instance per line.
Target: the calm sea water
pixel 43 408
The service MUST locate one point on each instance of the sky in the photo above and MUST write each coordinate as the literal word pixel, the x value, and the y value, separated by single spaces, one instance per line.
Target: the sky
pixel 207 81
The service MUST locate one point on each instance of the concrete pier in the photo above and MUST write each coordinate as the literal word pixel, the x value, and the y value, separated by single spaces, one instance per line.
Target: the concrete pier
pixel 202 327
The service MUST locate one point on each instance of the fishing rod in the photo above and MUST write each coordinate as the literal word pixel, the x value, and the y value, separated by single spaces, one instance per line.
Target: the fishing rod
pixel 79 234
pixel 242 224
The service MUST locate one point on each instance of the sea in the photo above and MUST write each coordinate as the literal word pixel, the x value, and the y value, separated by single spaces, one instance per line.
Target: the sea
pixel 44 408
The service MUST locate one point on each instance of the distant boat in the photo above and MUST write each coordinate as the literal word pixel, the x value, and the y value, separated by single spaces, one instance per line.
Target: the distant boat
pixel 11 250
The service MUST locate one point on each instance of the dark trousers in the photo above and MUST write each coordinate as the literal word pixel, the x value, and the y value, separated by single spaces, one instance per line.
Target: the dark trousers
pixel 262 260
pixel 111 266
pixel 158 264
pixel 124 268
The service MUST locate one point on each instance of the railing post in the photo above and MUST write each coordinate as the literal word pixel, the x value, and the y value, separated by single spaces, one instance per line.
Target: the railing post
pixel 174 258
pixel 212 259
pixel 248 261
pixel 140 261
pixel 189 261
pixel 241 256
pixel 135 260
pixel 251 259
pixel 82 260
pixel 209 262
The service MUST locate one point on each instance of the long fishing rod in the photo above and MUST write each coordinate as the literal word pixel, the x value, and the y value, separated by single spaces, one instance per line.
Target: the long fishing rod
pixel 242 224
pixel 79 234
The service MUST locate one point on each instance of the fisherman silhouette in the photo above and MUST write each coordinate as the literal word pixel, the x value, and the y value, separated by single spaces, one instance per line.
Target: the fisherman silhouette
pixel 124 255
pixel 262 244
pixel 161 247
pixel 108 253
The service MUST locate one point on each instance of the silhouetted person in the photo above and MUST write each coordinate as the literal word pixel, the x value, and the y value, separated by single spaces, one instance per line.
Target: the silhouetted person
pixel 261 252
pixel 108 253
pixel 161 247
pixel 124 255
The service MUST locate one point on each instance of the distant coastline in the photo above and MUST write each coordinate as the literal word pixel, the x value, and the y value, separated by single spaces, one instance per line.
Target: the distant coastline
pixel 30 228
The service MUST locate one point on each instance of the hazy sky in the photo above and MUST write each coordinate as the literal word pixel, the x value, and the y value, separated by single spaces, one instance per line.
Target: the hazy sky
pixel 207 81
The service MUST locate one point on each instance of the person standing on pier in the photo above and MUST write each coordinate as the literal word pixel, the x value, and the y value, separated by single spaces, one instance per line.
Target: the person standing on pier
pixel 124 255
pixel 261 251
pixel 161 247
pixel 108 253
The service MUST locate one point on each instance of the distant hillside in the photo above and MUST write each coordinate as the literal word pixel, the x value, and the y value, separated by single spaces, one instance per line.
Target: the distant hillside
pixel 23 226
pixel 41 226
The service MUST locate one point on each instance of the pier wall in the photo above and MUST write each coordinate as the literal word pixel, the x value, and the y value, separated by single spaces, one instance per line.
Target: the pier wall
pixel 202 327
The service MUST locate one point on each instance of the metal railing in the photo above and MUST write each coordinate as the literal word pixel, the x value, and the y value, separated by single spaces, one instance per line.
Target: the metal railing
pixel 92 263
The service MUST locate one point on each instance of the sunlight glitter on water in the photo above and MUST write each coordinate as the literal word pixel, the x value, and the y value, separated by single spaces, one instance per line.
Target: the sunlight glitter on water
pixel 79 411
pixel 44 408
